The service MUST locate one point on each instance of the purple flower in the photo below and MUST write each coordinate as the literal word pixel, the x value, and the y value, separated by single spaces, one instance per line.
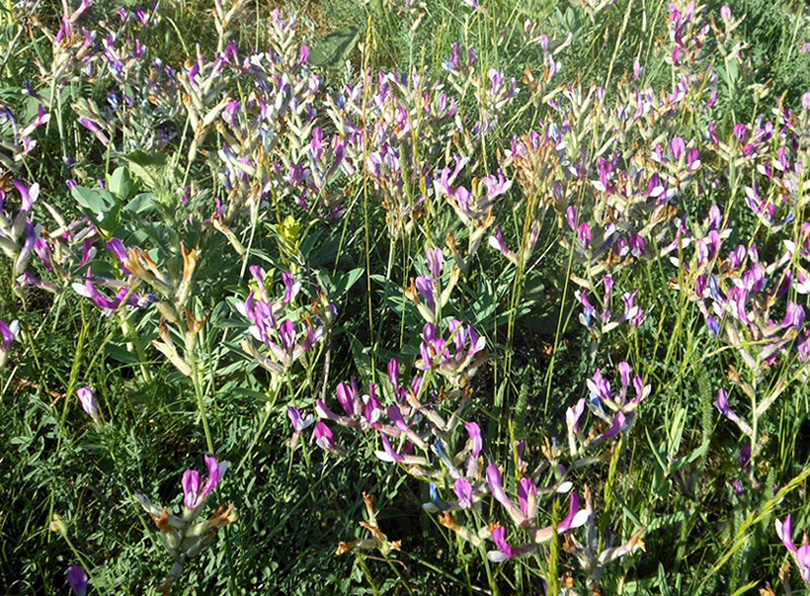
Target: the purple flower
pixel 89 403
pixel 584 235
pixel 571 217
pixel 107 305
pixel 624 374
pixel 587 309
pixel 476 444
pixel 31 234
pixel 324 439
pixel 636 245
pixel 498 244
pixel 395 415
pixel 572 415
pixel 785 532
pixel 288 335
pixel 615 428
pixel 495 483
pixel 371 406
pixel 258 275
pixel 713 325
pixel 504 551
pixel 393 377
pixel 424 285
pixel 95 129
pixel 794 316
pixel 722 404
pixel 291 288
pixel 193 496
pixel 678 148
pixel 77 579
pixel 599 386
pixel 116 246
pixel 744 458
pixel 576 518
pixel 435 259
pixel 299 423
pixel 388 454
pixel 632 313
pixel 464 492
pixel 323 411
pixel 8 333
pixel 802 554
pixel 527 496
pixel 347 395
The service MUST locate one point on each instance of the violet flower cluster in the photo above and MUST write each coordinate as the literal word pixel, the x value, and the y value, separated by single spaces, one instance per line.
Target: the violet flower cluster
pixel 613 409
pixel 456 358
pixel 474 208
pixel 8 334
pixel 137 267
pixel 600 323
pixel 285 341
pixel 21 142
pixel 427 292
pixel 738 299
pixel 418 434
pixel 18 233
pixel 183 535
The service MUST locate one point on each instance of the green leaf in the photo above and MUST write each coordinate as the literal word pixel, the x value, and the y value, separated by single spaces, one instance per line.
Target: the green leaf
pixel 662 580
pixel 92 200
pixel 120 354
pixel 744 589
pixel 153 169
pixel 121 183
pixel 343 282
pixel 141 203
pixel 334 49
pixel 100 207
pixel 676 426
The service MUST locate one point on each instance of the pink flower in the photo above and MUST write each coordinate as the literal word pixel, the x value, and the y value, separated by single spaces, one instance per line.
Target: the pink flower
pixel 324 439
pixel 89 404
pixel 299 423
pixel 800 555
pixel 464 492
pixel 193 497
pixel 504 550
pixel 495 483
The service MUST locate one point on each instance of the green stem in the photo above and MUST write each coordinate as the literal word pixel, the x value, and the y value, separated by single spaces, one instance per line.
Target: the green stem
pixel 74 371
pixel 132 335
pixel 200 393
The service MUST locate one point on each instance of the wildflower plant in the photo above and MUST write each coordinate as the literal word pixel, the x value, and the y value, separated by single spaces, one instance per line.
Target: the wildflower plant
pixel 183 535
pixel 442 256
pixel 285 341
